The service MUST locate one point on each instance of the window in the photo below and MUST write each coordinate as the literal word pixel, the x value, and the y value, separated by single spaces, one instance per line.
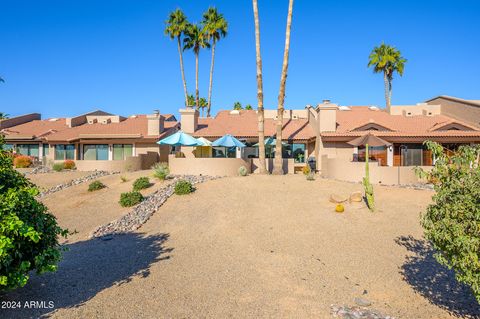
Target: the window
pixel 8 147
pixel 230 152
pixel 46 149
pixel 95 152
pixel 378 154
pixel 122 151
pixel 298 153
pixel 64 152
pixel 28 149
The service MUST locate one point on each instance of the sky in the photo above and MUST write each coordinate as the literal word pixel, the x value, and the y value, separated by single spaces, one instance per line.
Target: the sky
pixel 64 58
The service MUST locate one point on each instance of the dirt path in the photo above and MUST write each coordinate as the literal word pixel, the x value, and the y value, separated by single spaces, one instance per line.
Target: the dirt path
pixel 261 246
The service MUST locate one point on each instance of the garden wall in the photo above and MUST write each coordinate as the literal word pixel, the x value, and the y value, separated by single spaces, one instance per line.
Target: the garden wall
pixel 206 166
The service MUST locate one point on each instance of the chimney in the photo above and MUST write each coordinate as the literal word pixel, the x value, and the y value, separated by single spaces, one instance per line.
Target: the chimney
pixel 155 123
pixel 189 119
pixel 327 112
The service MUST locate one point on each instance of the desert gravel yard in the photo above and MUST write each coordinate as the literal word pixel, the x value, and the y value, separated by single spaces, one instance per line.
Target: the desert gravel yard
pixel 258 246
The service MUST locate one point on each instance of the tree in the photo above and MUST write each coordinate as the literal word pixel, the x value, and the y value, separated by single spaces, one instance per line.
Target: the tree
pixel 195 39
pixel 2 80
pixel 248 107
pixel 387 59
pixel 262 168
pixel 202 102
pixel 237 106
pixel 176 26
pixel 215 27
pixel 278 161
pixel 452 222
pixel 28 233
pixel 3 116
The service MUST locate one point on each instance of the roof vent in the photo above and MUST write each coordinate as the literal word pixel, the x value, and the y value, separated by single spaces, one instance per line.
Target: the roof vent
pixel 92 121
pixel 344 108
pixel 235 112
pixel 53 119
pixel 133 116
pixel 106 121
pixel 326 101
pixel 373 108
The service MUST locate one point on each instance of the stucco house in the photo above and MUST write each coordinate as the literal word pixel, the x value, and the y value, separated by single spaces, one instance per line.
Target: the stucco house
pixel 95 140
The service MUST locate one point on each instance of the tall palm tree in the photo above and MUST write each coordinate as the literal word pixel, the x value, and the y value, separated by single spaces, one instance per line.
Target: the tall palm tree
pixel 175 28
pixel 387 59
pixel 278 161
pixel 195 39
pixel 3 116
pixel 215 27
pixel 262 168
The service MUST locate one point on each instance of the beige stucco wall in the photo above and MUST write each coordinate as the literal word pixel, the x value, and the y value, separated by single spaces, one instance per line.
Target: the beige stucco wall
pixel 207 166
pixel 288 165
pixel 355 171
pixel 458 110
pixel 417 109
pixel 131 163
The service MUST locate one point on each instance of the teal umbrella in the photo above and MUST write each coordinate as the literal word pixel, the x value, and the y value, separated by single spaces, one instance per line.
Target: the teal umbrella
pixel 180 139
pixel 228 141
pixel 270 141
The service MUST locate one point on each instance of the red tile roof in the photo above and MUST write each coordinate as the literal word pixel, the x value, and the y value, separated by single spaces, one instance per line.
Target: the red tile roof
pixel 245 124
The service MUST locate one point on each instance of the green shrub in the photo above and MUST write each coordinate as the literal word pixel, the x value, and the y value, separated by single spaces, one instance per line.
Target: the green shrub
pixel 242 171
pixel 124 179
pixel 311 176
pixel 22 161
pixel 28 233
pixel 130 199
pixel 306 170
pixel 57 167
pixel 161 171
pixel 141 183
pixel 69 164
pixel 183 187
pixel 95 186
pixel 452 222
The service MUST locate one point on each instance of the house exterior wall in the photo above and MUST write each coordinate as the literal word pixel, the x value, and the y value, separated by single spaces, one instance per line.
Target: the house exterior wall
pixel 469 113
pixel 288 165
pixel 207 166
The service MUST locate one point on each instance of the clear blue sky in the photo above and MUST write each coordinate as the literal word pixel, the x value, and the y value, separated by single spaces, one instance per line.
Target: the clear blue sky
pixel 62 58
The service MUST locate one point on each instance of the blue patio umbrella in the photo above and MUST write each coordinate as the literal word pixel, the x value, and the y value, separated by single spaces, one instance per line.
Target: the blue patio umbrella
pixel 228 141
pixel 180 139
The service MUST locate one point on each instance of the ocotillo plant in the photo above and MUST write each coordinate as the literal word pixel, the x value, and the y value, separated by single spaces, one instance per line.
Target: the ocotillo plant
pixel 366 183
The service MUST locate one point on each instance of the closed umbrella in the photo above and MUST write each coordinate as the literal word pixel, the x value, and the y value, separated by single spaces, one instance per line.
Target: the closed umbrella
pixel 370 140
pixel 180 139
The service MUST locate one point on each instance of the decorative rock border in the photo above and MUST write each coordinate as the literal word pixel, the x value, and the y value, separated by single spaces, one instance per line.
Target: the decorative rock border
pixel 76 181
pixel 143 211
pixel 39 170
pixel 356 312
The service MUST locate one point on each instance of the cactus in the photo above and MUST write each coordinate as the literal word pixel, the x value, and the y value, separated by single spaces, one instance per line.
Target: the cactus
pixel 367 185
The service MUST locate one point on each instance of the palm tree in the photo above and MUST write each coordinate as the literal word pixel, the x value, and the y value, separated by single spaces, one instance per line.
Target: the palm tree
pixel 195 39
pixel 203 104
pixel 248 107
pixel 278 162
pixel 2 80
pixel 262 168
pixel 237 106
pixel 3 116
pixel 215 27
pixel 387 59
pixel 175 28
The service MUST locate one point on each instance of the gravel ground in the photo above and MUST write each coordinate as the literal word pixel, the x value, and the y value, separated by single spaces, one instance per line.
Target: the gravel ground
pixel 259 246
pixel 48 180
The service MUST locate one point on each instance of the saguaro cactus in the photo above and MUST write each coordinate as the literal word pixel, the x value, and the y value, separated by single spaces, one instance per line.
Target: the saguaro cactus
pixel 367 185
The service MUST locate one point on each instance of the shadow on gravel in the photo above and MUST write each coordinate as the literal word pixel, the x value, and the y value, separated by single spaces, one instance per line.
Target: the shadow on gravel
pixel 436 282
pixel 87 268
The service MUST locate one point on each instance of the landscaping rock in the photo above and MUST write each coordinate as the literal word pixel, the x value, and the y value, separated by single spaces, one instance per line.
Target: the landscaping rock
pixel 143 211
pixel 362 302
pixel 338 199
pixel 80 180
pixel 39 170
pixel 356 312
pixel 356 197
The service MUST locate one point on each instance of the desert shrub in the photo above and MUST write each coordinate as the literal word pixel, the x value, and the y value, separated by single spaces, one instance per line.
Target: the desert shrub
pixel 311 176
pixel 124 179
pixel 22 161
pixel 57 167
pixel 130 199
pixel 452 222
pixel 161 171
pixel 28 233
pixel 242 171
pixel 69 164
pixel 306 170
pixel 141 183
pixel 95 186
pixel 183 187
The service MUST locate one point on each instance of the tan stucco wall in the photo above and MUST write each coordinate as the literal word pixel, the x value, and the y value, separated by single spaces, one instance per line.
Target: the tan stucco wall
pixel 288 165
pixel 417 109
pixel 207 166
pixel 131 163
pixel 355 171
pixel 339 150
pixel 460 111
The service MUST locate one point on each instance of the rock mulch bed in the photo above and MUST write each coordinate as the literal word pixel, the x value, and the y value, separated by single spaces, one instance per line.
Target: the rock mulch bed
pixel 39 170
pixel 143 211
pixel 356 312
pixel 80 180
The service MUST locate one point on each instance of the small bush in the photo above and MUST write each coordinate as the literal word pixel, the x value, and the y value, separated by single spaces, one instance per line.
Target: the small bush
pixel 161 171
pixel 69 164
pixel 306 170
pixel 141 183
pixel 22 161
pixel 242 171
pixel 124 179
pixel 183 187
pixel 311 176
pixel 58 167
pixel 95 186
pixel 130 199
